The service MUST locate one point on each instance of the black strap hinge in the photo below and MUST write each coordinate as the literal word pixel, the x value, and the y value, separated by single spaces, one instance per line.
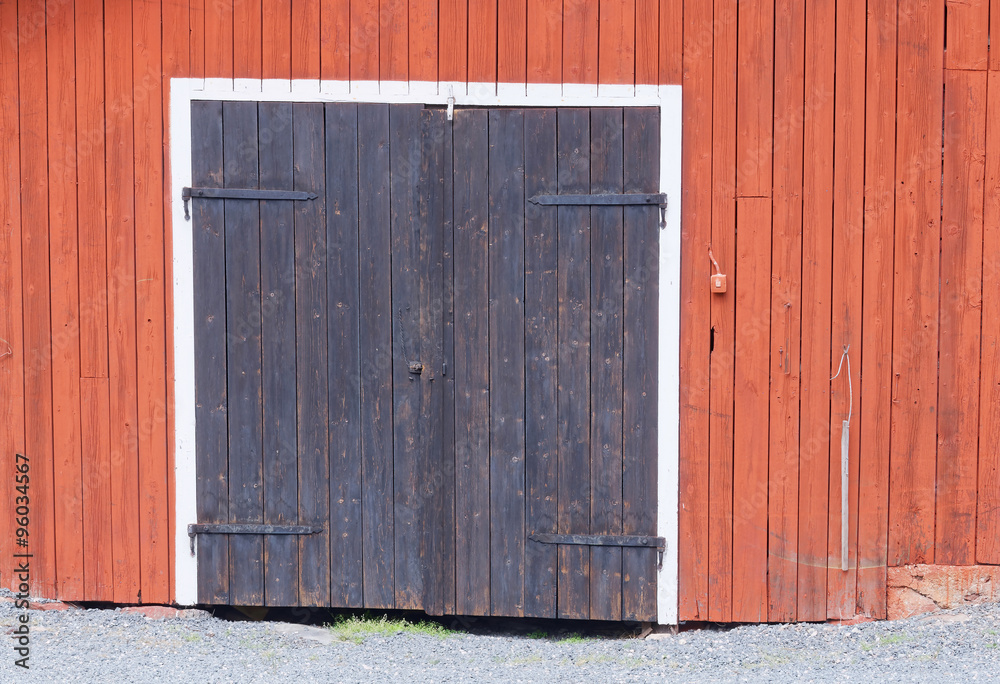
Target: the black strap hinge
pixel 242 193
pixel 639 540
pixel 248 528
pixel 607 200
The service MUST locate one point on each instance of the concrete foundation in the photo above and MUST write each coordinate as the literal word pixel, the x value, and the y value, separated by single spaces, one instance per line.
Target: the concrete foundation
pixel 915 589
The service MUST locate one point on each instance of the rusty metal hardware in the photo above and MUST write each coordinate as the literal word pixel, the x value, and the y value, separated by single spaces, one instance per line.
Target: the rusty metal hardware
pixel 416 367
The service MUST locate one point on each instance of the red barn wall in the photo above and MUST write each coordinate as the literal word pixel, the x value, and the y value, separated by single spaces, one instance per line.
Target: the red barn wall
pixel 812 167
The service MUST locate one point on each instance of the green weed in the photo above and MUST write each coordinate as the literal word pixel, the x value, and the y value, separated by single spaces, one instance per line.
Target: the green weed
pixel 356 628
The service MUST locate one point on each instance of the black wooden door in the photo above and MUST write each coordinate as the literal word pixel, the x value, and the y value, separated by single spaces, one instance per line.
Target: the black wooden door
pixel 555 319
pixel 420 368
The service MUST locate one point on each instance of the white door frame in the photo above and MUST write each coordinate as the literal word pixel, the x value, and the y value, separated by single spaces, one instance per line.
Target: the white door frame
pixel 668 98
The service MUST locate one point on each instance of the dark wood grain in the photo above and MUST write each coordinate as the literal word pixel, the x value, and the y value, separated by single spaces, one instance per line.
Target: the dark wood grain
pixel 447 371
pixel 540 354
pixel 277 280
pixel 574 362
pixel 606 324
pixel 376 356
pixel 344 354
pixel 243 324
pixel 404 153
pixel 639 453
pixel 432 474
pixel 211 402
pixel 506 349
pixel 311 317
pixel 471 367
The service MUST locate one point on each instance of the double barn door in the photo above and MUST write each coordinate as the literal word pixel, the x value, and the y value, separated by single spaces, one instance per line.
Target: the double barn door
pixel 416 387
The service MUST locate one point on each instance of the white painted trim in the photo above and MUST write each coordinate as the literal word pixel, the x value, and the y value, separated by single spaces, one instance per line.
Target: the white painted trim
pixel 668 98
pixel 182 251
pixel 668 358
pixel 333 87
pixel 395 87
pixel 580 90
pixel 510 90
pixel 247 85
pixel 363 89
pixel 615 90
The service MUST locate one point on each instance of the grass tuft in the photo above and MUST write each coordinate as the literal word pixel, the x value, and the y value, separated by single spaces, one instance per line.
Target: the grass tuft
pixel 357 628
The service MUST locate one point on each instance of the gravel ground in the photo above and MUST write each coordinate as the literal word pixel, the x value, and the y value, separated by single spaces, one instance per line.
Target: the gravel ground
pixel 96 645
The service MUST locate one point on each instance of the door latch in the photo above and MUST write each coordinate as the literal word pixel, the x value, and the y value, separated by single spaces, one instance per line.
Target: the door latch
pixel 416 367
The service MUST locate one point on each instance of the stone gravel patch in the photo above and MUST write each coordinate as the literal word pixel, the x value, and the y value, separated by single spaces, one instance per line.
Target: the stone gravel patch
pixel 95 645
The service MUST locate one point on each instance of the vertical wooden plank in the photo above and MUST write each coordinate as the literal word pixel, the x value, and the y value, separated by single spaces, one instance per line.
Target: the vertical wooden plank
pixel 917 268
pixel 243 353
pixel 580 41
pixel 176 63
pixel 453 58
pixel 311 319
pixel 607 349
pixel 211 390
pixel 375 340
pixel 671 49
pixel 544 41
pixel 151 378
pixel 574 251
pixel 641 340
pixel 431 457
pixel 506 353
pixel 219 39
pixel 754 109
pixel 960 317
pixel 472 379
pixel 305 39
pixel 335 41
pixel 196 49
pixel 12 408
pixel 95 447
pixel 248 43
pixel 64 348
pixel 89 162
pixel 722 335
pixel 404 159
pixel 647 42
pixel 695 339
pixel 35 292
pixel 422 41
pixel 750 410
pixel 786 311
pixel 541 264
pixel 393 40
pixel 448 369
pixel 876 347
pixel 276 40
pixel 845 301
pixel 120 187
pixel 814 383
pixel 988 504
pixel 512 37
pixel 616 45
pixel 967 39
pixel 277 312
pixel 344 354
pixel 365 40
pixel 482 41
